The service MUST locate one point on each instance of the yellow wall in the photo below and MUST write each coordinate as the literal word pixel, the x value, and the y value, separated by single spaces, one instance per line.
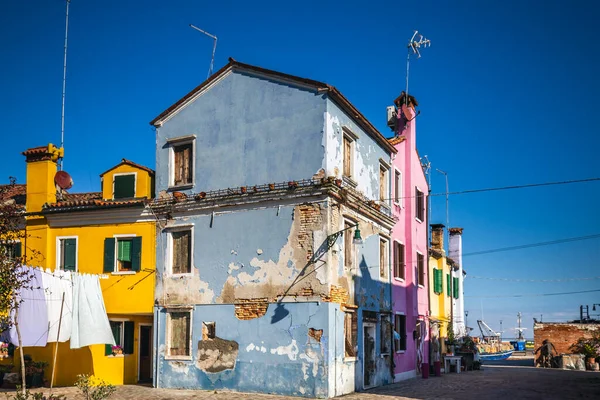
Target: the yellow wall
pixel 143 181
pixel 440 303
pixel 118 297
pixel 40 184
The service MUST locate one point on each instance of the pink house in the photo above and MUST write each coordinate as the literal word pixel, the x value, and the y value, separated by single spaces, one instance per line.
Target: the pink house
pixel 410 304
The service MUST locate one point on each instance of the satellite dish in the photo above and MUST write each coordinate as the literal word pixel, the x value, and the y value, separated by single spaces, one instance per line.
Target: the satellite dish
pixel 63 180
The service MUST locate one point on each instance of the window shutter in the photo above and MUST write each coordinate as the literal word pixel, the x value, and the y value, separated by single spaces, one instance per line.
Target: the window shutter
pixel 437 281
pixel 70 254
pixel 109 254
pixel 187 166
pixel 455 287
pixel 108 349
pixel 124 186
pixel 128 337
pixel 448 285
pixel 136 253
pixel 18 252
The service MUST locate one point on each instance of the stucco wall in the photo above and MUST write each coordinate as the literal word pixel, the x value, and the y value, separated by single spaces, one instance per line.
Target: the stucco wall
pixel 272 357
pixel 249 131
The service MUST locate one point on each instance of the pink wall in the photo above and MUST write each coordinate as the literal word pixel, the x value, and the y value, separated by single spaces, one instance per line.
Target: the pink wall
pixel 407 296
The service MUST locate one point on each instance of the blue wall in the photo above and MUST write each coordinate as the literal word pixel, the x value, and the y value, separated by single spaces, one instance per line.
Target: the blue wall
pixel 275 357
pixel 249 131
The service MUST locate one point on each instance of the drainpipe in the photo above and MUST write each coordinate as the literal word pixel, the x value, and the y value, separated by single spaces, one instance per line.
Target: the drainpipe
pixel 156 343
pixel 428 280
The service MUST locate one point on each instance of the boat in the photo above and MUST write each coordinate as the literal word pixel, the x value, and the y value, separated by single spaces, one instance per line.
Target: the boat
pixel 490 347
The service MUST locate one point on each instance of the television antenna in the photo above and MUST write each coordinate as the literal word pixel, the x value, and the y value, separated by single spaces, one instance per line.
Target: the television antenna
pixel 64 83
pixel 414 45
pixel 212 60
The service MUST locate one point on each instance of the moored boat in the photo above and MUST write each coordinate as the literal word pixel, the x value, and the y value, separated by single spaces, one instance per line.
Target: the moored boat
pixel 490 347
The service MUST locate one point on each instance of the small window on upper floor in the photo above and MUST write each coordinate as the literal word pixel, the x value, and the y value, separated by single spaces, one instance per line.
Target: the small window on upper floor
pixel 66 254
pixel 419 205
pixel 348 155
pixel 181 161
pixel 384 264
pixel 398 187
pixel 181 251
pixel 421 269
pixel 124 186
pixel 122 254
pixel 383 183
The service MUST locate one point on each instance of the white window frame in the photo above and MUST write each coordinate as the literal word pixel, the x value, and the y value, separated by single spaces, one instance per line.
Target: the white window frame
pixel 170 310
pixel 404 266
pixel 180 141
pixel 115 270
pixel 385 278
pixel 58 251
pixel 355 357
pixel 169 251
pixel 134 183
pixel 122 341
pixel 404 314
pixel 424 204
pixel 424 269
pixel 386 201
pixel 352 138
pixel 349 266
pixel 382 317
pixel 398 201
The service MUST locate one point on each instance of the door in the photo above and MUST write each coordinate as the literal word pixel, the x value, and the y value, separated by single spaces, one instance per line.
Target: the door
pixel 145 353
pixel 368 355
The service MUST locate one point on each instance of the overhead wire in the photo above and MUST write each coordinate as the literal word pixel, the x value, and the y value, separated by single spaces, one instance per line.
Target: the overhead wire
pixel 538 294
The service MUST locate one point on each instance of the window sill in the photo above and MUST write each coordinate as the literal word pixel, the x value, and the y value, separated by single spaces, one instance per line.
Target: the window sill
pixel 349 181
pixel 178 358
pixel 384 355
pixel 421 286
pixel 180 187
pixel 384 204
pixel 399 279
pixel 350 359
pixel 418 220
pixel 180 275
pixel 400 351
pixel 116 356
pixel 123 273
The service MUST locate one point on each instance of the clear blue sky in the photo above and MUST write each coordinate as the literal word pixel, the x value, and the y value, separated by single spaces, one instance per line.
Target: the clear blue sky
pixel 507 94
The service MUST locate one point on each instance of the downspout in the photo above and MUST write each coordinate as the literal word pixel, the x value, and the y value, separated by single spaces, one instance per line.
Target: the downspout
pixel 156 342
pixel 428 275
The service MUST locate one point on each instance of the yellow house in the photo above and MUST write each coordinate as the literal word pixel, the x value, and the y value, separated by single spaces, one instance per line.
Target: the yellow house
pixel 110 233
pixel 440 296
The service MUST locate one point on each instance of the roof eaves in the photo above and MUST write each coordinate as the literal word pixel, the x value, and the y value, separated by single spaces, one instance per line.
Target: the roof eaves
pixel 131 163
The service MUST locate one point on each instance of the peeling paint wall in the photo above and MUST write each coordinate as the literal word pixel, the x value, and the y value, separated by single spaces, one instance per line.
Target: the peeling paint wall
pixel 258 355
pixel 249 131
pixel 367 152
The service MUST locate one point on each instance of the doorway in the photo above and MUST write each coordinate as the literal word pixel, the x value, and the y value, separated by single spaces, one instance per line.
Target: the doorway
pixel 368 355
pixel 145 354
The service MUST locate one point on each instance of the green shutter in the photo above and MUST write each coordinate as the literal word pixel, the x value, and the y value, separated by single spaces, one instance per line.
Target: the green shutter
pixel 438 279
pixel 109 254
pixel 70 254
pixel 124 186
pixel 128 338
pixel 136 253
pixel 108 349
pixel 124 250
pixel 448 285
pixel 455 287
pixel 17 250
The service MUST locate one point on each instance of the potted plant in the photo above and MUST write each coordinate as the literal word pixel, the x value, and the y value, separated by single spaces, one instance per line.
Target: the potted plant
pixel 589 347
pixel 34 372
pixel 116 350
pixel 3 350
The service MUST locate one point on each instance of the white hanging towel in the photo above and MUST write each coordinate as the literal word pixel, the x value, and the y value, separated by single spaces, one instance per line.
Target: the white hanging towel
pixel 90 322
pixel 55 284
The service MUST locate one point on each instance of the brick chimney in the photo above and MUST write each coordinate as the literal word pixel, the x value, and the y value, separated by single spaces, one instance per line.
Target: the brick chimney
pixel 437 236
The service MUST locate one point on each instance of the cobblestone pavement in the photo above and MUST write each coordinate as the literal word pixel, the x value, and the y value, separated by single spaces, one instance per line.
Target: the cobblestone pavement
pixel 510 381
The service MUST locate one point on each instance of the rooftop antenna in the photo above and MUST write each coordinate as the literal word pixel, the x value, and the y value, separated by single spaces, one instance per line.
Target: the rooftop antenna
pixel 414 45
pixel 212 60
pixel 64 85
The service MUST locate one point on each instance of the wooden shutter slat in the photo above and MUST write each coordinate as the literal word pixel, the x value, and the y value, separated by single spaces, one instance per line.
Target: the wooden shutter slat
pixel 69 254
pixel 128 337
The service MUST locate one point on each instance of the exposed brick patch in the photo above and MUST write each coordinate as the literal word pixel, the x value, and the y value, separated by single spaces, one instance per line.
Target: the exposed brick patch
pixel 307 292
pixel 310 218
pixel 246 309
pixel 315 333
pixel 337 294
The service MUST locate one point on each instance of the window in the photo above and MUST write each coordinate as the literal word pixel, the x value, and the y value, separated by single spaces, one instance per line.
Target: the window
pixel 448 285
pixel 348 156
pixel 386 334
pixel 421 269
pixel 399 261
pixel 122 254
pixel 124 186
pixel 400 328
pixel 383 257
pixel 179 334
pixel 398 187
pixel 181 257
pixel 350 333
pixel 455 287
pixel 11 250
pixel 182 161
pixel 420 205
pixel 66 254
pixel 123 334
pixel 383 182
pixel 438 279
pixel 348 246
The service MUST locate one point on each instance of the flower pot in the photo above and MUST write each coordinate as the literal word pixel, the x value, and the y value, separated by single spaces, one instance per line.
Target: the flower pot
pixel 37 380
pixel 590 360
pixel 1 379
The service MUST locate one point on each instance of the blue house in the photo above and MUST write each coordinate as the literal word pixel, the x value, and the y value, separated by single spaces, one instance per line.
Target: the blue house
pixel 273 247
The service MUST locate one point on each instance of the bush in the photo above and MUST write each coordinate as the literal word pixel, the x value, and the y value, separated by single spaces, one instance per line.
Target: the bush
pixel 34 396
pixel 589 347
pixel 93 388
